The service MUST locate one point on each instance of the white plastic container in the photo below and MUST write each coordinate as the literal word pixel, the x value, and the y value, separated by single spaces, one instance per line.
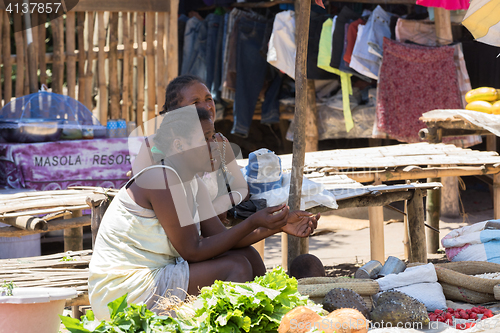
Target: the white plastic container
pixel 19 247
pixel 33 309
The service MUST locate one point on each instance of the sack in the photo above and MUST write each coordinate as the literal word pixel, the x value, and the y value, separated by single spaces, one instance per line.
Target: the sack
pixel 263 172
pixel 477 242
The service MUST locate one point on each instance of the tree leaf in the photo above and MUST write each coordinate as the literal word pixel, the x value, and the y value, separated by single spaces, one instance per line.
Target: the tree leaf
pixel 117 306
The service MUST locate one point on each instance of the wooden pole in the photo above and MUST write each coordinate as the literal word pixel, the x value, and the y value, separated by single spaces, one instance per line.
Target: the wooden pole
pixel 406 237
pixel 140 68
pixel 98 206
pixel 172 42
pixel 80 31
pixel 31 55
pixel 114 90
pixel 58 63
pixel 126 67
pixel 7 66
pixel 311 135
pixel 70 54
pixel 90 61
pixel 443 26
pixel 26 222
pixel 42 48
pixel 1 41
pixel 19 41
pixel 150 65
pixel 73 238
pixel 450 197
pixel 101 63
pixel 131 33
pixel 298 246
pixel 52 226
pixel 496 196
pixel 418 252
pixel 377 243
pixel 433 203
pixel 160 62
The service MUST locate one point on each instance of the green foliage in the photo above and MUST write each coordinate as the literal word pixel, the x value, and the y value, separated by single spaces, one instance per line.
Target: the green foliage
pixel 67 258
pixel 8 287
pixel 224 307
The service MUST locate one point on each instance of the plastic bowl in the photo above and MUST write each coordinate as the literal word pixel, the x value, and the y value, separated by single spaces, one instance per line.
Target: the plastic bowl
pixel 33 309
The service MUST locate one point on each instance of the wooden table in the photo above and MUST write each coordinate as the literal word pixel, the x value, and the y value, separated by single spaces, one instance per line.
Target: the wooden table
pixel 376 165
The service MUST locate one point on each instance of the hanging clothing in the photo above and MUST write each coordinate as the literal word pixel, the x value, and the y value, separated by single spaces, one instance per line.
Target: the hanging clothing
pixel 133 255
pixel 446 4
pixel 324 58
pixel 483 65
pixel 366 55
pixel 414 79
pixel 352 33
pixel 315 27
pixel 215 26
pixel 282 50
pixel 190 36
pixel 345 16
pixel 227 93
pixel 418 32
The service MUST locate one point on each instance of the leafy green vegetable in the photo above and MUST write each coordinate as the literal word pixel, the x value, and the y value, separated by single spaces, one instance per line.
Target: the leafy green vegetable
pixel 224 307
pixel 8 288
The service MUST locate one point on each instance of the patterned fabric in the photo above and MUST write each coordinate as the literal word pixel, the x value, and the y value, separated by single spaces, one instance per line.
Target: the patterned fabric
pixel 414 79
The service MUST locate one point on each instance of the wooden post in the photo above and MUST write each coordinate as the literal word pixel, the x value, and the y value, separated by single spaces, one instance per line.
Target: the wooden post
pixel 73 238
pixel 496 196
pixel 7 64
pixel 101 63
pixel 433 203
pixel 58 62
pixel 31 55
pixel 80 31
pixel 406 238
pixel 1 40
pixel 90 61
pixel 98 205
pixel 70 54
pixel 311 135
pixel 160 61
pixel 19 40
pixel 126 68
pixel 150 65
pixel 114 90
pixel 259 246
pixel 450 197
pixel 377 244
pixel 172 42
pixel 443 26
pixel 418 252
pixel 298 246
pixel 42 48
pixel 140 68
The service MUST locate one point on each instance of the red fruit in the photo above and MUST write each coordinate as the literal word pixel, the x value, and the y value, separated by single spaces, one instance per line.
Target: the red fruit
pixel 450 310
pixel 465 316
pixel 448 316
pixel 441 319
pixel 474 309
pixel 438 311
pixel 473 315
pixel 432 317
pixel 468 311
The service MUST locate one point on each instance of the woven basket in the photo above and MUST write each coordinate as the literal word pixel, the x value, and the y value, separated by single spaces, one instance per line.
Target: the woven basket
pixel 496 292
pixel 368 288
pixel 461 294
pixel 328 279
pixel 450 274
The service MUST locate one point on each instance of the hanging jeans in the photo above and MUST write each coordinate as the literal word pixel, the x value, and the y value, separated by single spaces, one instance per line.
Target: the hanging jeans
pixel 214 25
pixel 251 67
pixel 195 62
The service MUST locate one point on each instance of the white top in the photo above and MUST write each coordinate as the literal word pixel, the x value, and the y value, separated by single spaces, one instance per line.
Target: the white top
pixel 282 50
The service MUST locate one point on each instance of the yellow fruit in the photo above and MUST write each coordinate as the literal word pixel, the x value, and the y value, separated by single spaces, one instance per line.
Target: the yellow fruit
pixel 482 94
pixel 481 106
pixel 495 108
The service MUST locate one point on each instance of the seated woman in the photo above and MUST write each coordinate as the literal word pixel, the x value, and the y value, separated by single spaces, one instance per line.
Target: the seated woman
pixel 161 236
pixel 187 90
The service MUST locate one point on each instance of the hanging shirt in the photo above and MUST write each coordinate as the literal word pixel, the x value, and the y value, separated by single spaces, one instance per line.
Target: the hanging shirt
pixel 282 49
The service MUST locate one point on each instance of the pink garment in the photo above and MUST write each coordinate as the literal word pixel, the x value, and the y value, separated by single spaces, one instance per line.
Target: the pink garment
pixel 414 79
pixel 446 4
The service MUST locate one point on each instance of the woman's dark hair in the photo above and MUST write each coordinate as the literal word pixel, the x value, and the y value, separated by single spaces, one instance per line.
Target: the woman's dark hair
pixel 173 92
pixel 176 125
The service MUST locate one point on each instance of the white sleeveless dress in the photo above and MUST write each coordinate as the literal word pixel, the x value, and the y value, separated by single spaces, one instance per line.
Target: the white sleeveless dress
pixel 132 254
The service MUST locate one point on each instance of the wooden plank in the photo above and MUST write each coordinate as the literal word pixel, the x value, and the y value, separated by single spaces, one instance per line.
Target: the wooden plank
pixel 172 42
pixel 433 209
pixel 30 223
pixel 80 33
pixel 160 61
pixel 19 42
pixel 42 34
pixel 70 54
pixel 52 226
pixel 90 61
pixel 7 66
pixel 124 5
pixel 126 67
pixel 418 247
pixel 36 43
pixel 31 55
pixel 496 196
pixel 73 237
pixel 298 246
pixel 101 77
pixel 58 63
pixel 139 38
pixel 114 90
pixel 131 92
pixel 68 200
pixel 150 65
pixel 26 86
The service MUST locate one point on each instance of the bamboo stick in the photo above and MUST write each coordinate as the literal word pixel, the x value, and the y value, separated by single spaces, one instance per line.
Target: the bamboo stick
pixel 160 61
pixel 172 42
pixel 131 34
pixel 113 65
pixel 150 65
pixel 21 195
pixel 27 73
pixel 126 68
pixel 140 68
pixel 80 30
pixel 70 200
pixel 103 92
pixel 42 211
pixel 42 48
pixel 58 64
pixel 7 66
pixel 30 223
pixel 19 42
pixel 52 226
pixel 90 60
pixel 71 56
pixel 34 31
